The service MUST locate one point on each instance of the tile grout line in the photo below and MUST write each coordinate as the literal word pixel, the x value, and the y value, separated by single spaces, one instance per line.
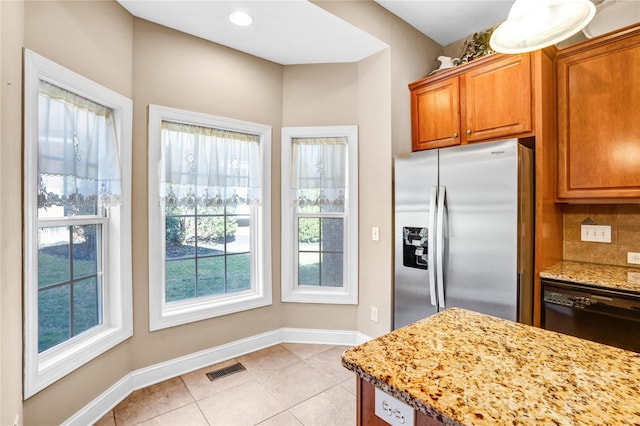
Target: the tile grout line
pixel 288 408
pixel 261 372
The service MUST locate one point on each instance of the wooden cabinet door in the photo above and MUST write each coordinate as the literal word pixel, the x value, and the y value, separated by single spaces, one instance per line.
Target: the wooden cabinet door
pixel 497 99
pixel 599 120
pixel 435 115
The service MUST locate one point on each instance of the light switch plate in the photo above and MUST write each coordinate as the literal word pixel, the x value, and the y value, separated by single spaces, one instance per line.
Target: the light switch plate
pixel 596 233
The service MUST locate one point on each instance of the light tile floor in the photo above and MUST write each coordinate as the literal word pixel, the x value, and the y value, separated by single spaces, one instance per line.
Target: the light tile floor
pixel 284 385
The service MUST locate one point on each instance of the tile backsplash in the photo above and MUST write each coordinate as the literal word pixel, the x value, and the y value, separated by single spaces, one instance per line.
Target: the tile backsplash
pixel 624 220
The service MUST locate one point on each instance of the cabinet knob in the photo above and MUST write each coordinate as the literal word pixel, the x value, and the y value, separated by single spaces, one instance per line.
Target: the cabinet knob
pixel 468 131
pixel 455 135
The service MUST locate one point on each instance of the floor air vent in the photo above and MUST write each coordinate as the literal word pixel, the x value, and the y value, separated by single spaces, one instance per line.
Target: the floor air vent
pixel 218 374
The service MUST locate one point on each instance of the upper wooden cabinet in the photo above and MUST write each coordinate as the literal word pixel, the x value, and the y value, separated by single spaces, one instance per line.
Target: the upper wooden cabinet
pixel 486 99
pixel 435 114
pixel 497 99
pixel 599 118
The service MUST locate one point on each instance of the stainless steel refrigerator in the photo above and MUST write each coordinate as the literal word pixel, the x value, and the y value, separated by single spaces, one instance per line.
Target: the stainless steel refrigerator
pixel 464 231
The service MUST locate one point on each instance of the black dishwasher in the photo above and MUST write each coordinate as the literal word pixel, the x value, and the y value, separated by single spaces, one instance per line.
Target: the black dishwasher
pixel 603 315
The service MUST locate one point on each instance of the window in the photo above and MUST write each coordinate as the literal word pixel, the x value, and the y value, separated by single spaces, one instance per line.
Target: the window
pixel 209 237
pixel 77 221
pixel 320 214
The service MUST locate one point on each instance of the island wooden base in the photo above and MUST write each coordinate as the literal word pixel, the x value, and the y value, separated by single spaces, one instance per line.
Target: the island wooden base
pixel 366 408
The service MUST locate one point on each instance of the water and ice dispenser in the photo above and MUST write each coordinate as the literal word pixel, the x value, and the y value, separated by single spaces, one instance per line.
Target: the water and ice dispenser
pixel 414 247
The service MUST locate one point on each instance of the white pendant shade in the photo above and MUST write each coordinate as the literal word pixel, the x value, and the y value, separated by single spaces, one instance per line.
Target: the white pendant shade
pixel 534 24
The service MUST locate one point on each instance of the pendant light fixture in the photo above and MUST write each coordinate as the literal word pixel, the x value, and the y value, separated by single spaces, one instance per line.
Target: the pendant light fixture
pixel 534 24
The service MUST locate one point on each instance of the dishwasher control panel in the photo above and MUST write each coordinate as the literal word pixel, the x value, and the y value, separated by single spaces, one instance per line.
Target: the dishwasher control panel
pixel 566 300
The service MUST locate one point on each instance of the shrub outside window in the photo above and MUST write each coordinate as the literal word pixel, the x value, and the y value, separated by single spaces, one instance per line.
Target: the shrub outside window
pixel 209 245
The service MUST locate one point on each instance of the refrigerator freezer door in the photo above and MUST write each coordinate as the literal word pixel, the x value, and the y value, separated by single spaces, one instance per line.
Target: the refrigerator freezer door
pixel 480 227
pixel 414 178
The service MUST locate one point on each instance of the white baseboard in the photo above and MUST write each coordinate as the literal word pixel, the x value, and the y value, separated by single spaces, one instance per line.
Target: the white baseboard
pixel 153 374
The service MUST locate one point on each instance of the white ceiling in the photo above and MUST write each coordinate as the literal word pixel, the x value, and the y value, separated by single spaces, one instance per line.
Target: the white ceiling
pixel 446 21
pixel 299 32
pixel 286 32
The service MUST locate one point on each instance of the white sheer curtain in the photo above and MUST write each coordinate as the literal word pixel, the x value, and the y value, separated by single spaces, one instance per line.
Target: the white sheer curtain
pixel 209 166
pixel 78 162
pixel 319 173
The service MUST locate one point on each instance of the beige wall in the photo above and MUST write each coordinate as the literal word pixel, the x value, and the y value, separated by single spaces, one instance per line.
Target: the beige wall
pixel 95 39
pixel 153 64
pixel 624 220
pixel 180 71
pixel 375 157
pixel 411 57
pixel 319 95
pixel 11 38
pixel 343 94
pixel 384 130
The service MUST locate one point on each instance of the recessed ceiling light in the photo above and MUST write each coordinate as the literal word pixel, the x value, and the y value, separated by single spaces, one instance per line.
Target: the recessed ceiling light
pixel 241 19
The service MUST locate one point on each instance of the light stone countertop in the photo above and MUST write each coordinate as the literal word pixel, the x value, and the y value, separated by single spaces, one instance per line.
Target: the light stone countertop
pixel 465 368
pixel 609 276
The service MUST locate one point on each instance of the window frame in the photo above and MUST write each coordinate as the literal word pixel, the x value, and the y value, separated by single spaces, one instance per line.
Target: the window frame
pixel 42 369
pixel 291 291
pixel 163 315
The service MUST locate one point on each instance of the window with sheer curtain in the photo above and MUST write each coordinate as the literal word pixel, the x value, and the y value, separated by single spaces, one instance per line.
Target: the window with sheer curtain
pixel 209 231
pixel 77 239
pixel 78 179
pixel 319 208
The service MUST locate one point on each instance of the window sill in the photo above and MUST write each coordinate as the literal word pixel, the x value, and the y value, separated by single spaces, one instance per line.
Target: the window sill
pixel 326 295
pixel 61 360
pixel 178 313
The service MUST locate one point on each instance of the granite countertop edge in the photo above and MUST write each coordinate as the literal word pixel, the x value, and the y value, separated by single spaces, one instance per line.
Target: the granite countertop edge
pixel 598 275
pixel 400 395
pixel 452 365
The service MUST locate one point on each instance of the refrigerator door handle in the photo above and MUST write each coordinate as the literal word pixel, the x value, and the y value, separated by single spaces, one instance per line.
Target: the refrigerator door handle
pixel 431 254
pixel 440 246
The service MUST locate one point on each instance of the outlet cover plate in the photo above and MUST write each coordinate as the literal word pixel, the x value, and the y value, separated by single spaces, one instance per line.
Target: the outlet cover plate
pixel 596 233
pixel 633 277
pixel 633 257
pixel 392 410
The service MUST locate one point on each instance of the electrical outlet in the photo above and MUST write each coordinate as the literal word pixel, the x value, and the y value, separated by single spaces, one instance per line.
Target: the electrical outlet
pixel 393 411
pixel 596 233
pixel 374 314
pixel 633 257
pixel 633 277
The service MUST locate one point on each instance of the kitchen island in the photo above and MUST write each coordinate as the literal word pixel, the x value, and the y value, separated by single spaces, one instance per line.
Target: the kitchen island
pixel 464 368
